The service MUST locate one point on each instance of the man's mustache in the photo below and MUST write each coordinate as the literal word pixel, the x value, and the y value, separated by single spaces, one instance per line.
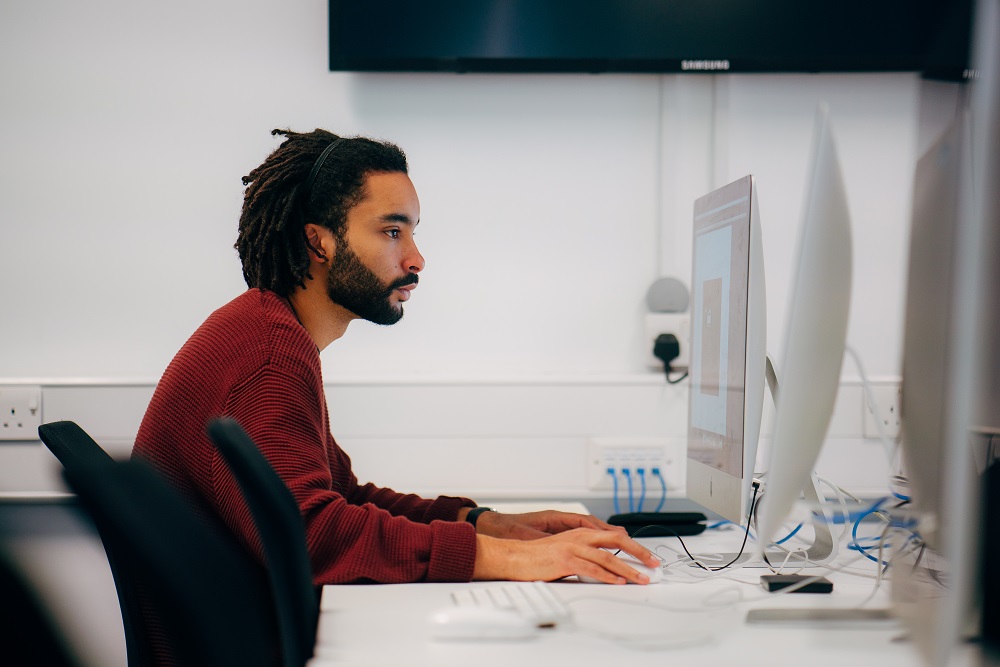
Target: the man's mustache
pixel 411 279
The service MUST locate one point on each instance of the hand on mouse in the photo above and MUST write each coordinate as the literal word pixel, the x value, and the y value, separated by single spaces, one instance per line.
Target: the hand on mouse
pixel 580 551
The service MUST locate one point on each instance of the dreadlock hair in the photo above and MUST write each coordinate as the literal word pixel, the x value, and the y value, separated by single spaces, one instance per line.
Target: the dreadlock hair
pixel 278 202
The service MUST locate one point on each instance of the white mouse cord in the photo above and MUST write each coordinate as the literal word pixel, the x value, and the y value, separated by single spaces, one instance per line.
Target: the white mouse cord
pixel 842 497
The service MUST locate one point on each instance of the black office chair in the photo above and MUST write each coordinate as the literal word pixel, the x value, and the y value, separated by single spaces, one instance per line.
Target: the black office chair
pixel 75 448
pixel 71 444
pixel 282 535
pixel 201 586
pixel 29 635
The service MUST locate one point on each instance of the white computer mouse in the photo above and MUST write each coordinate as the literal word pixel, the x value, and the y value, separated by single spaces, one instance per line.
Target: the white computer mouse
pixel 655 574
pixel 480 624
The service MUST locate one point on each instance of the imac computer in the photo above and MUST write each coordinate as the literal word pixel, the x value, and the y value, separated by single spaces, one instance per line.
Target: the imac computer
pixel 947 591
pixel 938 470
pixel 815 337
pixel 728 349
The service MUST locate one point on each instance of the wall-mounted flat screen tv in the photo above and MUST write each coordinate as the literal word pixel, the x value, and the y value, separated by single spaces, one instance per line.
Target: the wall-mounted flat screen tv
pixel 651 36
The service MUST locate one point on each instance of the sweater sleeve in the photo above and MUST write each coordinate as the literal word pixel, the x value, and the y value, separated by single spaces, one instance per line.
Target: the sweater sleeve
pixel 354 534
pixel 411 506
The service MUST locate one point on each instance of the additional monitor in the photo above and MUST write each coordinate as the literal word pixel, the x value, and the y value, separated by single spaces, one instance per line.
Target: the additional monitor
pixel 951 374
pixel 941 175
pixel 728 350
pixel 934 328
pixel 815 337
pixel 678 36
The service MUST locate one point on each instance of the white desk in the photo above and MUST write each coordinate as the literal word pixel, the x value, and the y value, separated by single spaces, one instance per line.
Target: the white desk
pixel 385 625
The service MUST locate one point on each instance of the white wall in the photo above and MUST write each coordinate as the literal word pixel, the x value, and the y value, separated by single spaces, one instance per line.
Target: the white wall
pixel 549 203
pixel 127 130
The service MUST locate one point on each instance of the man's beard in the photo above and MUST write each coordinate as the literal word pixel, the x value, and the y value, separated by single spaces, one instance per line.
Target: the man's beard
pixel 356 287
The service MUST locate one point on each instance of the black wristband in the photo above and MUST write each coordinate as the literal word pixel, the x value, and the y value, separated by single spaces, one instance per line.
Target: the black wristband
pixel 474 513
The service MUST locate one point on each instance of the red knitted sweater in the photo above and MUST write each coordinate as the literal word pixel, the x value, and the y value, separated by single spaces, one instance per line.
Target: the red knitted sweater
pixel 251 360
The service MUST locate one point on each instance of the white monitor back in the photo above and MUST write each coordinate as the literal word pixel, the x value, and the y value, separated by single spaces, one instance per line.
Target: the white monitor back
pixel 951 407
pixel 815 335
pixel 936 396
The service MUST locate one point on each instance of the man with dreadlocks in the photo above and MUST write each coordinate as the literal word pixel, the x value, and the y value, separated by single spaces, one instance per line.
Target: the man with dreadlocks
pixel 326 237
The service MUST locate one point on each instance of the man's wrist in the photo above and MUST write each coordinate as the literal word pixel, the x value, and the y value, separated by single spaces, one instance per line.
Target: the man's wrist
pixel 473 514
pixel 495 558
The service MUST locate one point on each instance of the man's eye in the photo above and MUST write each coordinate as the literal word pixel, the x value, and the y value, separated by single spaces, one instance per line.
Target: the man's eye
pixel 393 233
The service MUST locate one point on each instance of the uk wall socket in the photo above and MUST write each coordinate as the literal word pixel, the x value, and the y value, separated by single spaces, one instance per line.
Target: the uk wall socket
pixel 20 412
pixel 888 399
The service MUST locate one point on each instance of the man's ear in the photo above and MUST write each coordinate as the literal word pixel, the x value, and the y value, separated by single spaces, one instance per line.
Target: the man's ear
pixel 321 243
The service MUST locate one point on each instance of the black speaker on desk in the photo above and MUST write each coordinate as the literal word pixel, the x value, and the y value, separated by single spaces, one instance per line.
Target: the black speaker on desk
pixel 660 524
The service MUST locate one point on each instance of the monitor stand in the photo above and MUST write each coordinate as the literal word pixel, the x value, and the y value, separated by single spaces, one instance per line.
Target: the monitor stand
pixel 821 551
pixel 823 548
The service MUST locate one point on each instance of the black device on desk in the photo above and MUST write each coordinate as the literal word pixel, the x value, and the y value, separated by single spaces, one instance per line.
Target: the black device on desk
pixel 659 524
pixel 805 583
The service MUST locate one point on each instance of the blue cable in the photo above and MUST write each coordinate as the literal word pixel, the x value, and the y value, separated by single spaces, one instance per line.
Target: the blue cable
pixel 719 524
pixel 789 535
pixel 839 518
pixel 861 549
pixel 631 499
pixel 663 489
pixel 642 493
pixel 854 533
pixel 614 484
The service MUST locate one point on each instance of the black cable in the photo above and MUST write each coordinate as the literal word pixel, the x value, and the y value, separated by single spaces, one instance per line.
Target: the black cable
pixel 684 375
pixel 746 535
pixel 920 557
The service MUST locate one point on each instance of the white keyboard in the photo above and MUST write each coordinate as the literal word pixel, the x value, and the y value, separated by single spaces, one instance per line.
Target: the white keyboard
pixel 532 600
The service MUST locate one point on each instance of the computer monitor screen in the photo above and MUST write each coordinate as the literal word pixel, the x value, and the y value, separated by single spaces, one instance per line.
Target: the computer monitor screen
pixel 815 335
pixel 728 348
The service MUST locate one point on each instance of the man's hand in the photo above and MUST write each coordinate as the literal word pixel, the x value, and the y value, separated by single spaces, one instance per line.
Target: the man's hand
pixel 580 551
pixel 536 525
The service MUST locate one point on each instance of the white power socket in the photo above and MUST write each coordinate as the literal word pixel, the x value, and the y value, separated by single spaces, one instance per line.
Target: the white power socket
pixel 678 324
pixel 888 399
pixel 20 412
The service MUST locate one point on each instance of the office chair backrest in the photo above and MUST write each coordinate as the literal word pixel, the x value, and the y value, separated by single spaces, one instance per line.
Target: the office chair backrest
pixel 29 634
pixel 282 534
pixel 75 448
pixel 201 586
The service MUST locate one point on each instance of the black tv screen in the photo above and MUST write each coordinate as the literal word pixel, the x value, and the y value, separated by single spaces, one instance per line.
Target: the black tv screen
pixel 653 36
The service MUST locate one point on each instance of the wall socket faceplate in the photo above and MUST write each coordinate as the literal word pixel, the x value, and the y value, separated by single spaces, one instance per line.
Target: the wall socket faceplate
pixel 633 453
pixel 20 412
pixel 888 399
